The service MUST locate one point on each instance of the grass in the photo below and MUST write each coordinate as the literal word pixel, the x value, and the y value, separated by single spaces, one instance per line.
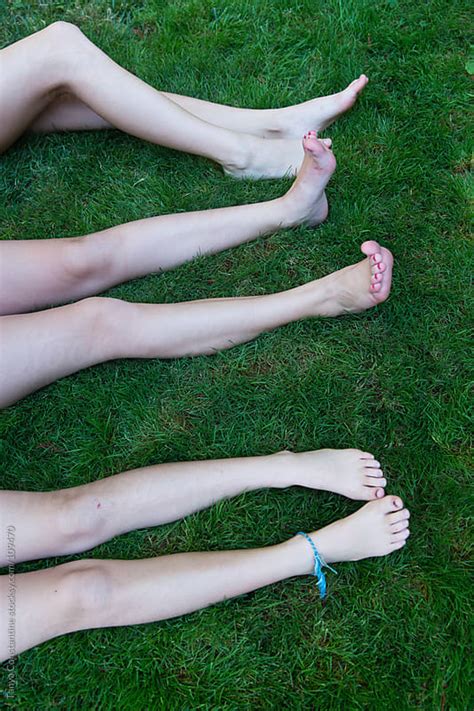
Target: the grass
pixel 394 632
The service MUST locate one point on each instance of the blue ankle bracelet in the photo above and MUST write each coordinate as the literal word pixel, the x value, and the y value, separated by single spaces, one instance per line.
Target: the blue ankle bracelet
pixel 319 564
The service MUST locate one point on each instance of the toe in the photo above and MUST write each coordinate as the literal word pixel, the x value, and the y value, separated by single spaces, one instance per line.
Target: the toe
pixel 373 473
pixel 375 481
pixel 387 277
pixel 375 287
pixel 370 247
pixel 397 516
pixel 312 144
pixel 372 493
pixel 366 455
pixel 392 503
pixel 398 527
pixel 375 484
pixel 373 464
pixel 399 537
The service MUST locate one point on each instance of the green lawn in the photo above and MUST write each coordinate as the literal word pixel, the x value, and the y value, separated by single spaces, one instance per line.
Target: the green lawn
pixel 393 632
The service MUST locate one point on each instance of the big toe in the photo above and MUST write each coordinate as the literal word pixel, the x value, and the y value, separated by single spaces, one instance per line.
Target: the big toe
pixel 359 83
pixel 312 144
pixel 370 247
pixel 391 503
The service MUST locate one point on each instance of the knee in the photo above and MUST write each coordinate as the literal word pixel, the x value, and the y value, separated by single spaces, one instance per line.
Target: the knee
pixel 104 322
pixel 86 594
pixel 88 259
pixel 65 49
pixel 62 32
pixel 81 520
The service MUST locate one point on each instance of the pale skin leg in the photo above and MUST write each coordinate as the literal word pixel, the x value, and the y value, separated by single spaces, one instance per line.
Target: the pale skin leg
pixel 67 113
pixel 78 519
pixel 38 348
pixel 61 270
pixel 60 59
pixel 108 593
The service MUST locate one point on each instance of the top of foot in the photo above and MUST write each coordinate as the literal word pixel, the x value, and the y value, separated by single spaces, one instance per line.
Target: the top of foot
pixel 349 472
pixel 318 113
pixel 377 529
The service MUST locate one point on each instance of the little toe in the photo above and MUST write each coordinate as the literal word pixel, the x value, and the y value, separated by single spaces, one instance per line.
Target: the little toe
pixel 375 287
pixel 372 493
pixel 366 455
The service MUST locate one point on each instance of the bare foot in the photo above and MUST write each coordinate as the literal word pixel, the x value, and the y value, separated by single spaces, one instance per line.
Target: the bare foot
pixel 349 472
pixel 317 114
pixel 259 158
pixel 358 287
pixel 306 202
pixel 377 529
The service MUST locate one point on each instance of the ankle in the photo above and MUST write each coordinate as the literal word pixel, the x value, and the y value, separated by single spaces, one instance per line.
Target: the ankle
pixel 237 157
pixel 282 466
pixel 283 212
pixel 289 210
pixel 299 551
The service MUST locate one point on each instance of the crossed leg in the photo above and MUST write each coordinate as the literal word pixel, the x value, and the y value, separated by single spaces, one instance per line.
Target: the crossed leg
pixel 47 78
pixel 67 113
pixel 98 593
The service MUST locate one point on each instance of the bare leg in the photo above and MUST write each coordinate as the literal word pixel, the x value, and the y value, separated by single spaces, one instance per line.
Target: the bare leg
pixel 36 349
pixel 109 593
pixel 60 59
pixel 289 122
pixel 65 269
pixel 77 519
pixel 68 113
